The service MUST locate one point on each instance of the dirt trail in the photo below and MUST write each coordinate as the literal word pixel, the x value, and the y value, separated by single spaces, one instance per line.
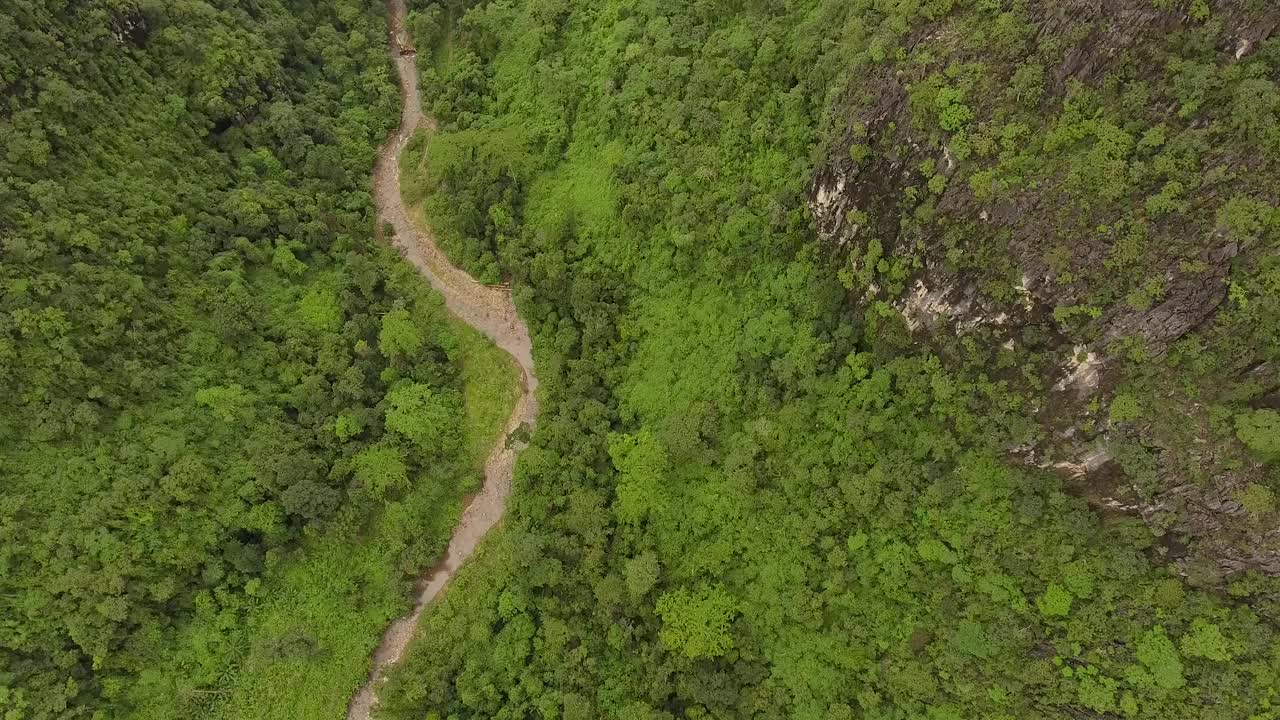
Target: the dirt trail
pixel 487 309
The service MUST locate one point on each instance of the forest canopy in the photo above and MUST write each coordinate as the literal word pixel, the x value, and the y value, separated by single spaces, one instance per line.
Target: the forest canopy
pixel 777 478
pixel 896 360
pixel 217 377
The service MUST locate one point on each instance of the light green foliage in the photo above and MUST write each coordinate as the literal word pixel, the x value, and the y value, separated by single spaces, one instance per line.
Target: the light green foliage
pixel 1055 602
pixel 641 573
pixel 320 310
pixel 1129 704
pixel 1143 297
pixel 971 638
pixel 696 624
pixel 490 387
pixel 1027 84
pixel 1098 693
pixel 1254 109
pixel 1246 219
pixel 284 260
pixel 227 403
pixel 1078 579
pixel 429 418
pixel 1258 500
pixel 953 114
pixel 934 550
pixel 347 426
pixel 642 465
pixel 1206 641
pixel 1167 201
pixel 381 469
pixel 1192 82
pixel 640 711
pixel 1157 653
pixel 1124 408
pixel 400 335
pixel 1259 430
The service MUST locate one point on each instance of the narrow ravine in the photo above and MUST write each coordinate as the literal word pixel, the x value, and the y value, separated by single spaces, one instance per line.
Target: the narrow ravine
pixel 489 310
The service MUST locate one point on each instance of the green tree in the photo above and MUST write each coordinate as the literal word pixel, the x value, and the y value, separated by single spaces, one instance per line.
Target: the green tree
pixel 381 469
pixel 320 310
pixel 697 624
pixel 227 402
pixel 429 418
pixel 347 426
pixel 400 335
pixel 1205 640
pixel 1259 430
pixel 641 573
pixel 1157 652
pixel 1055 602
pixel 642 465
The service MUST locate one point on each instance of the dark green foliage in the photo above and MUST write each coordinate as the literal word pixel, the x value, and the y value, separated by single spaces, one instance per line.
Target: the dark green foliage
pixel 196 373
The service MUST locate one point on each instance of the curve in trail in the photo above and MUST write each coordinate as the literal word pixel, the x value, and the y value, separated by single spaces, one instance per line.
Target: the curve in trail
pixel 489 310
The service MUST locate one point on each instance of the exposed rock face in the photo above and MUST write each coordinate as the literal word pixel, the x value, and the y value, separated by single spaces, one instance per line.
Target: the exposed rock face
pixel 858 196
pixel 130 27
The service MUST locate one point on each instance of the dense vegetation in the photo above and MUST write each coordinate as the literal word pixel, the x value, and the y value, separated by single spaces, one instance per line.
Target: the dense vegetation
pixel 760 487
pixel 753 491
pixel 235 426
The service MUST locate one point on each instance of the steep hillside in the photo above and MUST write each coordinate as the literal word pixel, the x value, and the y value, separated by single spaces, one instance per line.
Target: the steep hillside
pixel 1092 191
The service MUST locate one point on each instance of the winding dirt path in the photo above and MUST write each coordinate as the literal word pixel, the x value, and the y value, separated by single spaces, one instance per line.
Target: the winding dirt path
pixel 487 309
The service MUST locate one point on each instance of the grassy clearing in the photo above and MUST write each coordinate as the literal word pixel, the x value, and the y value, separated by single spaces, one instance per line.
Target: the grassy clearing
pixel 491 386
pixel 415 184
pixel 442 49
